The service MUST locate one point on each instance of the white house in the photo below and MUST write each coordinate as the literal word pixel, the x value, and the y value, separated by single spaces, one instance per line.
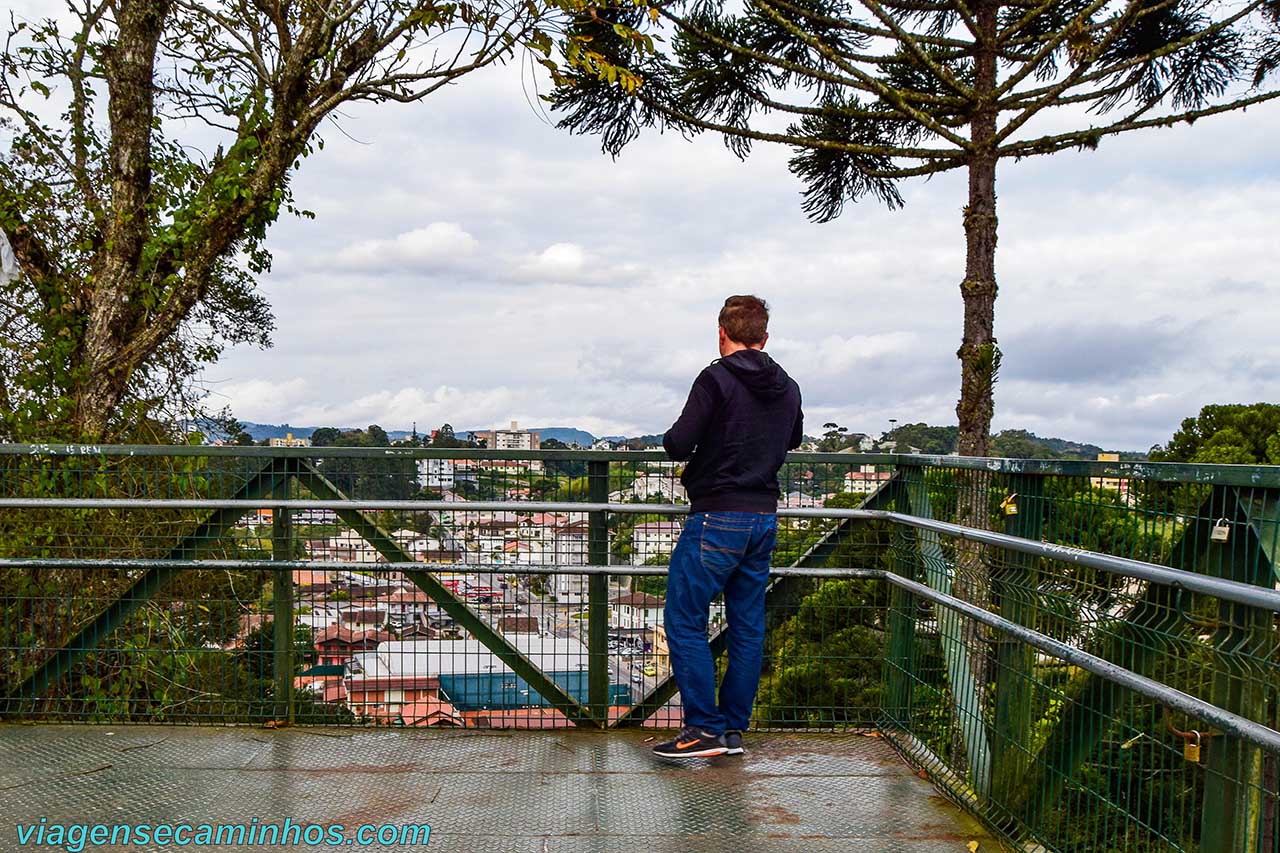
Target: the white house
pixel 347 547
pixel 571 589
pixel 408 605
pixel 318 617
pixel 435 473
pixel 653 539
pixel 659 485
pixel 793 500
pixel 493 534
pixel 865 481
pixel 637 610
pixel 570 544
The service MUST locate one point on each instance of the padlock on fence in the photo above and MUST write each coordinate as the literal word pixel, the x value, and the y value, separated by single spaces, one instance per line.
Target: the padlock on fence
pixel 1191 747
pixel 1221 531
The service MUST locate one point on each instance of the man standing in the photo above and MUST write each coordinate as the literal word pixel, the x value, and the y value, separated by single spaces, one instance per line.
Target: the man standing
pixel 742 417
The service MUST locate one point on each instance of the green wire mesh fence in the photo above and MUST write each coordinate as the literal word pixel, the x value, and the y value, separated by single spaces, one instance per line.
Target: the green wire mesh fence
pixel 473 588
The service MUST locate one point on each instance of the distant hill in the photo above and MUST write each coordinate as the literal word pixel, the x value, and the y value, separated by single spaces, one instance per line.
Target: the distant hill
pixel 646 440
pixel 259 432
pixel 569 435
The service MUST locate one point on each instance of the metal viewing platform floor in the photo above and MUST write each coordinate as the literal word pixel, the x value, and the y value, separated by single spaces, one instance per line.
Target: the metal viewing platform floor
pixel 483 791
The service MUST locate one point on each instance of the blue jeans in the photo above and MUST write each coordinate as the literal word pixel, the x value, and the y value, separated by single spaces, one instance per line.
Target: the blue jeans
pixel 719 552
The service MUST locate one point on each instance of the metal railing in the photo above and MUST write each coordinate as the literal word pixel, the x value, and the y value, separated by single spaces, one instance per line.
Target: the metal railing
pixel 1085 654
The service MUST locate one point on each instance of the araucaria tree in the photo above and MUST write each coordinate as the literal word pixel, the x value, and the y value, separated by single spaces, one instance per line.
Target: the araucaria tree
pixel 872 92
pixel 150 144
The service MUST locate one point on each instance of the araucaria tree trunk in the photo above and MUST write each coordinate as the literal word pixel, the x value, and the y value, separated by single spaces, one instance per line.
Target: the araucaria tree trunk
pixel 979 356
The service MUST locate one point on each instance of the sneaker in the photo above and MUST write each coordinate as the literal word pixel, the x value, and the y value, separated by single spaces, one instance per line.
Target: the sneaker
pixel 733 740
pixel 692 743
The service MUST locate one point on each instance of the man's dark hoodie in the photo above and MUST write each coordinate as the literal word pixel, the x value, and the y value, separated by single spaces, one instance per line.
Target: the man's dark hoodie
pixel 742 417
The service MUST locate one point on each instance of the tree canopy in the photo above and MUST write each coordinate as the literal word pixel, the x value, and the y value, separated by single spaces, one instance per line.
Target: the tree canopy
pixel 1234 433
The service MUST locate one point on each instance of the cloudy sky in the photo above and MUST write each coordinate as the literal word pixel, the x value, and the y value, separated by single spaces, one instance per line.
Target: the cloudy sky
pixel 470 263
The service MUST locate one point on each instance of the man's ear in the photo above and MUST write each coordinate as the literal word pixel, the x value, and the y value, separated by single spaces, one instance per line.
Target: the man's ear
pixel 765 341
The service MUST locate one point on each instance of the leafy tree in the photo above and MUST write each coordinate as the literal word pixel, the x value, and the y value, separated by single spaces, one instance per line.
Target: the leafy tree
pixel 225 426
pixel 1229 434
pixel 834 437
pixel 378 436
pixel 929 439
pixel 137 254
pixel 325 437
pixel 242 438
pixel 653 584
pixel 371 478
pixel 568 468
pixel 878 91
pixel 1019 444
pixel 826 667
pixel 444 437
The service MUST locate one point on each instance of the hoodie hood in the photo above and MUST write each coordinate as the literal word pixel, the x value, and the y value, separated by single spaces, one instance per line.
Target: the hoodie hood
pixel 763 376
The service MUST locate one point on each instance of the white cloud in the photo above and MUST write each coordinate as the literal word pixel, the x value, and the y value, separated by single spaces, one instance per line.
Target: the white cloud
pixel 261 400
pixel 558 261
pixel 440 244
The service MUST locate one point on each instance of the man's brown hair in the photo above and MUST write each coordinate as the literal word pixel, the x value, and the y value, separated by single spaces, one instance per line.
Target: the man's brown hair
pixel 745 319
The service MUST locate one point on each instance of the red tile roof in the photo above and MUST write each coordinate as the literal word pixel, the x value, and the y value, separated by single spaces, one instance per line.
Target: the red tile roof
pixel 638 599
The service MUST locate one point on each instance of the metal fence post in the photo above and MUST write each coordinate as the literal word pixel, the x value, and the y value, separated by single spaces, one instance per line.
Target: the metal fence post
pixel 900 672
pixel 1234 783
pixel 598 594
pixel 966 698
pixel 282 607
pixel 1014 586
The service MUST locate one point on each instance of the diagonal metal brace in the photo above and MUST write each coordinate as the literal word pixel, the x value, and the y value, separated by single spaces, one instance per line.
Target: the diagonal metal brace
pixel 470 620
pixel 270 478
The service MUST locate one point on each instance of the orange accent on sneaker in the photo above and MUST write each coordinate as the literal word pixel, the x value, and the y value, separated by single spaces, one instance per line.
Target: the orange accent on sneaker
pixel 685 744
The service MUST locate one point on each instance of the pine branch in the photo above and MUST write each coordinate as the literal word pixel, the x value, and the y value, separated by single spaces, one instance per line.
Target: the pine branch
pixel 809 72
pixel 1112 71
pixel 1059 38
pixel 1090 137
pixel 863 29
pixel 1070 79
pixel 799 141
pixel 889 95
pixel 913 46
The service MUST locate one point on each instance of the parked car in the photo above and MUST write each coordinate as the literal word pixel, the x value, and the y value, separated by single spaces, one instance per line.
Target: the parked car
pixel 635 676
pixel 650 670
